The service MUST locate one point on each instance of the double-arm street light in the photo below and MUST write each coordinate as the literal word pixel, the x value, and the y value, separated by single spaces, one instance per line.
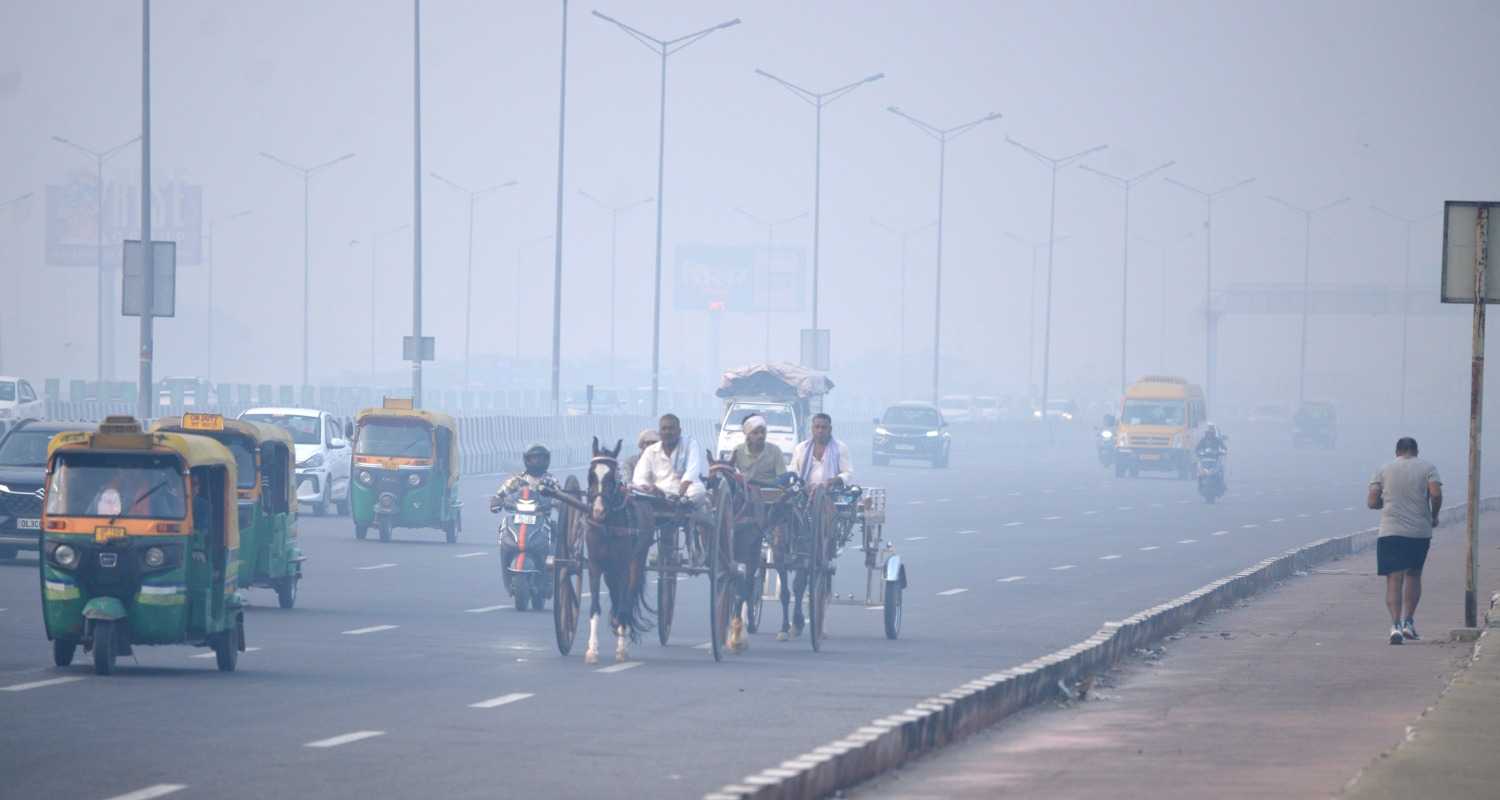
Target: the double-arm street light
pixel 663 48
pixel 818 100
pixel 1126 183
pixel 614 230
pixel 7 204
pixel 306 173
pixel 1055 164
pixel 473 195
pixel 103 345
pixel 771 225
pixel 943 136
pixel 904 235
pixel 1307 215
pixel 1408 223
pixel 1209 323
pixel 213 253
pixel 1036 248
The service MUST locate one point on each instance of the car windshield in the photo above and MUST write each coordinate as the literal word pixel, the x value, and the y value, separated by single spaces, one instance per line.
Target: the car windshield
pixel 304 428
pixel 953 402
pixel 7 391
pixel 778 418
pixel 406 440
pixel 25 449
pixel 244 463
pixel 1154 412
pixel 913 415
pixel 1059 405
pixel 87 485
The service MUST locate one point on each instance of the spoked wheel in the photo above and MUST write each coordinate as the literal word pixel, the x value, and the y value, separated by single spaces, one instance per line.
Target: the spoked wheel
pixel 820 587
pixel 104 647
pixel 755 604
pixel 567 581
pixel 721 583
pixel 666 583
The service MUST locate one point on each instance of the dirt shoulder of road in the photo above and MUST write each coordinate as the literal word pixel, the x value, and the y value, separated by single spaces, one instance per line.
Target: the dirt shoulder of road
pixel 1289 694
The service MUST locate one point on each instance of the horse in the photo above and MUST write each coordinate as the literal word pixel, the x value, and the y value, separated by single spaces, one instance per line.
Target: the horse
pixel 619 537
pixel 791 522
pixel 748 524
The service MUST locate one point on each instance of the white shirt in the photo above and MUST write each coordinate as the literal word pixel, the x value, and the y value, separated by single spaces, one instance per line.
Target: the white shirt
pixel 667 471
pixel 819 473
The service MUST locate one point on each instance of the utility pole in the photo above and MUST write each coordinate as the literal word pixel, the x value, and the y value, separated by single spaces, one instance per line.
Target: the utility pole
pixel 904 236
pixel 213 257
pixel 614 230
pixel 1035 248
pixel 562 119
pixel 1055 164
pixel 663 48
pixel 473 195
pixel 1408 223
pixel 1126 183
pixel 943 136
pixel 416 223
pixel 145 398
pixel 1307 215
pixel 771 225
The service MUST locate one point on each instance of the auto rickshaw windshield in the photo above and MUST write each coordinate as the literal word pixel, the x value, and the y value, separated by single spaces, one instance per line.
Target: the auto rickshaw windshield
pixel 116 486
pixel 244 463
pixel 394 439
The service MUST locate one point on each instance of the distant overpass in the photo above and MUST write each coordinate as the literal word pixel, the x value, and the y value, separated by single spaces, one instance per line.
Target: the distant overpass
pixel 1266 299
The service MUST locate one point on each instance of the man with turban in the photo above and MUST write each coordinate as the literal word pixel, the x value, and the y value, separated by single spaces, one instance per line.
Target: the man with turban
pixel 755 458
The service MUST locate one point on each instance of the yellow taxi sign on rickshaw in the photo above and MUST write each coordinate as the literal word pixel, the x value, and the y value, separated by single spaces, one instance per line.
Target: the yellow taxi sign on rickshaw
pixel 105 533
pixel 203 422
pixel 399 403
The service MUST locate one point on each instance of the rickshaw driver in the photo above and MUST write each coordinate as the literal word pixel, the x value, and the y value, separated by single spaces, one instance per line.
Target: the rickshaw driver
pixel 675 465
pixel 756 459
pixel 823 460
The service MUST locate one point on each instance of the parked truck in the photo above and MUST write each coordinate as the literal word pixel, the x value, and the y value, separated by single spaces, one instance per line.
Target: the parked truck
pixel 785 394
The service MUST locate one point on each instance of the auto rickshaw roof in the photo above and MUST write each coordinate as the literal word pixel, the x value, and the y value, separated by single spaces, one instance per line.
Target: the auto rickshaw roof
pixel 115 437
pixel 258 432
pixel 436 419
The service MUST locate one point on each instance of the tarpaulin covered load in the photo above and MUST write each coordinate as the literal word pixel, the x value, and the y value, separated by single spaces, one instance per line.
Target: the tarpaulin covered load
pixel 787 381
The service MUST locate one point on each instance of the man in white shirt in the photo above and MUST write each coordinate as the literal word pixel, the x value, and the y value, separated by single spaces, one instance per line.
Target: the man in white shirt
pixel 676 466
pixel 823 459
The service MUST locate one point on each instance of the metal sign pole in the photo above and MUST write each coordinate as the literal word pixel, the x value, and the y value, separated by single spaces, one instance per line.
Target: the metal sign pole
pixel 1476 420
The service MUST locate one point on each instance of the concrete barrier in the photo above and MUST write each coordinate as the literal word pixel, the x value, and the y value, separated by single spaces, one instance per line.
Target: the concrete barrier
pixel 888 742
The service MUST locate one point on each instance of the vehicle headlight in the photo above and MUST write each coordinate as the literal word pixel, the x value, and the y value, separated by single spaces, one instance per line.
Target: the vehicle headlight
pixel 934 434
pixel 155 557
pixel 414 479
pixel 65 556
pixel 365 478
pixel 313 461
pixel 1106 434
pixel 882 432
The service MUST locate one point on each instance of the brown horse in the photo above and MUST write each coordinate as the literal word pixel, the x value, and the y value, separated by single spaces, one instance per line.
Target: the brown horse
pixel 619 536
pixel 748 522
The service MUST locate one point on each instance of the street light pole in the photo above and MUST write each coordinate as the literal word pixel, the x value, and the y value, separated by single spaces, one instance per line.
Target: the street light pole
pixel 374 248
pixel 663 48
pixel 1408 223
pixel 1209 332
pixel 1055 164
pixel 213 256
pixel 905 237
pixel 1307 215
pixel 145 398
pixel 473 195
pixel 818 100
pixel 103 347
pixel 943 136
pixel 614 229
pixel 562 118
pixel 1036 249
pixel 7 204
pixel 770 225
pixel 1126 183
pixel 306 173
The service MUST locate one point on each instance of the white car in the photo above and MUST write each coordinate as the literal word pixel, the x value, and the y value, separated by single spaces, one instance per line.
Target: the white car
pixel 957 408
pixel 323 455
pixel 987 409
pixel 18 401
pixel 781 425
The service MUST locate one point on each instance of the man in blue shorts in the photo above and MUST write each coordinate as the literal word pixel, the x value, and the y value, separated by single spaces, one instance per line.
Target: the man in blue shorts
pixel 1408 493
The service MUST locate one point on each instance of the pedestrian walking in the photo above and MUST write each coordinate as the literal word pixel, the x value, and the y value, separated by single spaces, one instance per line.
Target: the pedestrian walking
pixel 1408 493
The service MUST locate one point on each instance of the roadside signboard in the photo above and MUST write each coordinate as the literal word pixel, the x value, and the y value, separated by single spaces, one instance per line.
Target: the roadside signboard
pixel 1460 223
pixel 164 260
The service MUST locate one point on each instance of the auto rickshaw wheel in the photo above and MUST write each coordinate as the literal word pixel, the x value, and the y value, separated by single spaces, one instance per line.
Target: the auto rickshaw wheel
pixel 227 647
pixel 360 531
pixel 63 650
pixel 385 531
pixel 450 531
pixel 104 647
pixel 286 590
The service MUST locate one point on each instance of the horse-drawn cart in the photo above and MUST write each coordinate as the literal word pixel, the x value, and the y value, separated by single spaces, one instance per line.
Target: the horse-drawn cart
pixel 862 509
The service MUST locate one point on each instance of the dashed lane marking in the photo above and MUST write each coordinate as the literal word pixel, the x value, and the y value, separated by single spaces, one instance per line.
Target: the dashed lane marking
pixel 945 500
pixel 345 738
pixel 1250 525
pixel 1187 541
pixel 1011 579
pixel 1052 518
pixel 915 538
pixel 211 654
pixel 1219 533
pixel 966 532
pixel 1125 508
pixel 951 592
pixel 371 629
pixel 485 609
pixel 472 555
pixel 1157 505
pixel 1278 519
pixel 1183 502
pixel 916 502
pixel 620 667
pixel 1348 508
pixel 1062 567
pixel 1326 511
pixel 1012 494
pixel 1090 513
pixel 1049 491
pixel 1108 558
pixel 375 566
pixel 158 790
pixel 21 687
pixel 704 646
pixel 502 700
pixel 1303 516
pixel 1011 525
pixel 1148 548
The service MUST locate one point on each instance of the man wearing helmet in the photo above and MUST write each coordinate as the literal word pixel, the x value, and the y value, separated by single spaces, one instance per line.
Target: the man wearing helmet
pixel 534 476
pixel 1213 444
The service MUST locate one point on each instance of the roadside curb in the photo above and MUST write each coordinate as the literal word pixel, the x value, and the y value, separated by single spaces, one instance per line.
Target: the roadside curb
pixel 888 742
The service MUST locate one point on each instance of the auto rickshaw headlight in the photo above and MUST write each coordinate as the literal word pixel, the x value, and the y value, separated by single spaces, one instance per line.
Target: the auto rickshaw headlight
pixel 365 478
pixel 155 557
pixel 414 479
pixel 65 556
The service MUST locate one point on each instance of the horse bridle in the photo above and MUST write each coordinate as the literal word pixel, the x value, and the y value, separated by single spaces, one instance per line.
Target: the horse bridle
pixel 614 501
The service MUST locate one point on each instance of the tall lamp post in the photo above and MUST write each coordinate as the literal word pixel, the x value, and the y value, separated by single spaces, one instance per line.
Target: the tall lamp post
pixel 904 236
pixel 1036 249
pixel 1307 215
pixel 663 48
pixel 771 225
pixel 473 195
pixel 306 173
pixel 1408 223
pixel 103 345
pixel 7 204
pixel 614 230
pixel 1055 164
pixel 1209 327
pixel 374 248
pixel 557 260
pixel 1126 183
pixel 818 100
pixel 943 136
pixel 213 256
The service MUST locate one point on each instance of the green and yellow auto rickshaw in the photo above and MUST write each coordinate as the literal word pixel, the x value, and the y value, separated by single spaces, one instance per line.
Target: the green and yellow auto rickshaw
pixel 406 464
pixel 265 462
pixel 140 538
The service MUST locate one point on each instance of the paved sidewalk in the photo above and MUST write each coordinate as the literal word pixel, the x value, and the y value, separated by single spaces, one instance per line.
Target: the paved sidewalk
pixel 1290 694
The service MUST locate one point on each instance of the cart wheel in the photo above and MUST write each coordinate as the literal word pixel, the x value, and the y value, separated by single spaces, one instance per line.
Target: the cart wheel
pixel 892 609
pixel 227 647
pixel 385 531
pixel 104 647
pixel 286 591
pixel 755 604
pixel 721 584
pixel 360 531
pixel 666 584
pixel 566 591
pixel 821 584
pixel 63 650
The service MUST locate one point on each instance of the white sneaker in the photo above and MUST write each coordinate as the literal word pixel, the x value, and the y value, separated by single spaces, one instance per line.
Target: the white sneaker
pixel 1396 635
pixel 1409 629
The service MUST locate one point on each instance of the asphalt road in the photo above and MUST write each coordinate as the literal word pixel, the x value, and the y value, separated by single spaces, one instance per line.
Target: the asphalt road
pixel 405 663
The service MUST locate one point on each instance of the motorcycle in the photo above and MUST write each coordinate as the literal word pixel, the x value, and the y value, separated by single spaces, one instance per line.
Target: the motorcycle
pixel 525 543
pixel 1211 478
pixel 1105 444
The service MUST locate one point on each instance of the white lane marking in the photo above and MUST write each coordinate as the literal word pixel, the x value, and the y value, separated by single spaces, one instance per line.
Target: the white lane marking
pixel 1011 525
pixel 704 646
pixel 620 667
pixel 471 555
pixel 1249 525
pixel 1326 511
pixel 1219 533
pixel 944 500
pixel 371 629
pixel 212 654
pixel 485 609
pixel 1012 494
pixel 159 790
pixel 1063 567
pixel 1278 519
pixel 1090 513
pixel 1186 541
pixel 966 532
pixel 1303 516
pixel 916 502
pixel 1052 518
pixel 1348 508
pixel 875 608
pixel 504 699
pixel 1011 579
pixel 21 687
pixel 346 738
pixel 1149 548
pixel 951 592
pixel 1125 508
pixel 1108 558
pixel 915 538
pixel 375 566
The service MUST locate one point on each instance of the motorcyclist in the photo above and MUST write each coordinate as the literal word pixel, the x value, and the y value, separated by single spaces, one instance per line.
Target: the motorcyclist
pixel 1213 444
pixel 534 476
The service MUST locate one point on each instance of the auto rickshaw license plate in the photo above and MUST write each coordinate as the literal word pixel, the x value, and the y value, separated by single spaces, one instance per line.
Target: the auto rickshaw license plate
pixel 1150 457
pixel 525 519
pixel 104 533
pixel 203 422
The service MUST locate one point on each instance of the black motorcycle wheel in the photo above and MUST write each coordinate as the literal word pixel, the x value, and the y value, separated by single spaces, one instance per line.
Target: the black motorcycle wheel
pixel 538 593
pixel 521 585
